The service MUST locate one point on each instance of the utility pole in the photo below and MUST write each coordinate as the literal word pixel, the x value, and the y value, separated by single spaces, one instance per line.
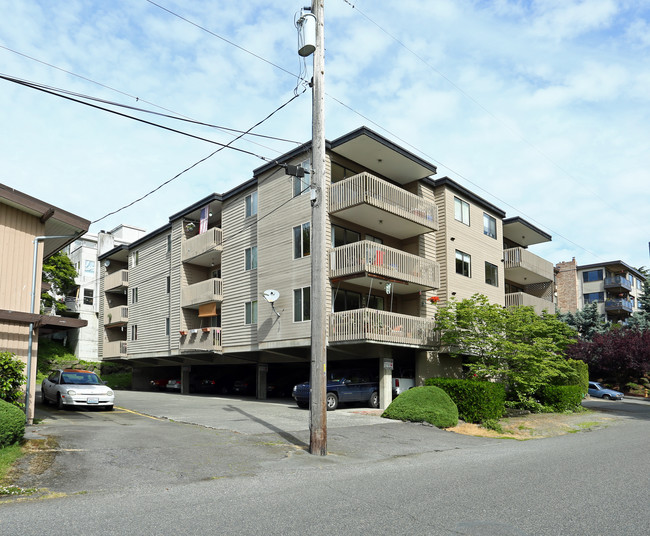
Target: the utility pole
pixel 319 277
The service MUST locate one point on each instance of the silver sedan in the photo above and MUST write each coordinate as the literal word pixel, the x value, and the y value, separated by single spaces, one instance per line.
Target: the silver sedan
pixel 71 387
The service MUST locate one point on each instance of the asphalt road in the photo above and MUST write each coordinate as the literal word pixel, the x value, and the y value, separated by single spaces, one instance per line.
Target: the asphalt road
pixel 167 464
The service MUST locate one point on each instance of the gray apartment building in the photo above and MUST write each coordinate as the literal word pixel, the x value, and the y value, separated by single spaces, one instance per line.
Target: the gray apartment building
pixel 188 299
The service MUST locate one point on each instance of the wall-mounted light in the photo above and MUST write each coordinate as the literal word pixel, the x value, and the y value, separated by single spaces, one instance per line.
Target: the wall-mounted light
pixel 452 239
pixel 453 293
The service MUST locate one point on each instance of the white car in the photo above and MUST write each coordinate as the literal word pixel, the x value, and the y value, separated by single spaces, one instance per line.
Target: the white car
pixel 73 388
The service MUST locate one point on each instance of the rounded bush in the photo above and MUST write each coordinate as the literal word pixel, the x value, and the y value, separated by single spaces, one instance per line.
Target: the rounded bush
pixel 12 424
pixel 424 404
pixel 477 401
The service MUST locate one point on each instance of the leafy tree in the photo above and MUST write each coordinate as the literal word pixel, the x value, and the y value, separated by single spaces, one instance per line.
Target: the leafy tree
pixel 618 355
pixel 587 321
pixel 11 379
pixel 59 272
pixel 515 345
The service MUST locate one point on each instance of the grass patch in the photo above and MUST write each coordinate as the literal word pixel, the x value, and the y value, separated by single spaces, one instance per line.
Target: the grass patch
pixel 8 456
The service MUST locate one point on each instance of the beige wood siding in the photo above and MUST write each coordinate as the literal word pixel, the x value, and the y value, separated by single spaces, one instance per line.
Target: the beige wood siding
pixel 471 240
pixel 239 285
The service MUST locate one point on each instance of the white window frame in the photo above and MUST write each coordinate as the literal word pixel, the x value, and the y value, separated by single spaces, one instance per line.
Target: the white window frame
pixel 250 313
pixel 488 221
pixel 298 240
pixel 302 304
pixel 250 258
pixel 465 258
pixel 251 205
pixel 461 211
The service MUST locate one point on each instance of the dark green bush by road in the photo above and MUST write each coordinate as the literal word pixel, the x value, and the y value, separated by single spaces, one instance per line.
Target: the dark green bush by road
pixel 477 401
pixel 424 404
pixel 12 424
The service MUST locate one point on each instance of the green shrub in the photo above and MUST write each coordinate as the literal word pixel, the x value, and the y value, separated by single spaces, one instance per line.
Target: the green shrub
pixel 560 398
pixel 11 379
pixel 424 404
pixel 582 372
pixel 12 424
pixel 477 401
pixel 118 380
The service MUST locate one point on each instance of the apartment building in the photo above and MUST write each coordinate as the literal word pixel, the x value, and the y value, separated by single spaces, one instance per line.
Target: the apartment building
pixel 31 230
pixel 83 302
pixel 614 286
pixel 191 295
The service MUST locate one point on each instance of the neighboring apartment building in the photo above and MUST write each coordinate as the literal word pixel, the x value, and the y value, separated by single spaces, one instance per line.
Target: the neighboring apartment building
pixel 24 221
pixel 191 294
pixel 614 286
pixel 84 302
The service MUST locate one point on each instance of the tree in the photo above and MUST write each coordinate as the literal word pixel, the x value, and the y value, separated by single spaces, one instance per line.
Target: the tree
pixel 619 355
pixel 11 379
pixel 587 321
pixel 516 346
pixel 59 272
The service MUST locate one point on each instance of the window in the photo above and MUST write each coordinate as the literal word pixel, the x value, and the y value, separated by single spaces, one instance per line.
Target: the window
pixel 374 239
pixel 251 258
pixel 342 236
pixel 169 243
pixel 461 210
pixel 134 295
pixel 301 240
pixel 489 226
pixel 591 297
pixel 251 312
pixel 301 304
pixel 346 300
pixel 463 264
pixel 88 296
pixel 251 205
pixel 89 268
pixel 376 302
pixel 301 184
pixel 491 274
pixel 135 258
pixel 134 332
pixel 169 284
pixel 592 275
pixel 167 330
pixel 340 172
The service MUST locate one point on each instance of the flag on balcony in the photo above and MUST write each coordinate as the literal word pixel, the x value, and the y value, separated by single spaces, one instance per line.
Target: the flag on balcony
pixel 203 226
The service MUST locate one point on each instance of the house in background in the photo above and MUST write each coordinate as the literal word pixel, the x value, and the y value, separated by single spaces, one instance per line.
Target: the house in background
pixel 24 221
pixel 614 286
pixel 83 302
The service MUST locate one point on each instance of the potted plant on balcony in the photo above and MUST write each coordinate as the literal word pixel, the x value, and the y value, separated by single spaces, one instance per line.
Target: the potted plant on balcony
pixel 433 300
pixel 183 332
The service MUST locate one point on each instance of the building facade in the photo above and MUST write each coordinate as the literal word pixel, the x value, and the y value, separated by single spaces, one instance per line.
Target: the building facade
pixel 227 280
pixel 614 286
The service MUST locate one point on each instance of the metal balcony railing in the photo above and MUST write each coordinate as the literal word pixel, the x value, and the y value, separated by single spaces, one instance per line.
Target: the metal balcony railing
pixel 618 282
pixel 366 324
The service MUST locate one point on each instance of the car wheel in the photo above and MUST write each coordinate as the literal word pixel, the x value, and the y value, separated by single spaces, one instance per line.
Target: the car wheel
pixel 303 405
pixel 108 408
pixel 607 397
pixel 374 400
pixel 59 402
pixel 332 401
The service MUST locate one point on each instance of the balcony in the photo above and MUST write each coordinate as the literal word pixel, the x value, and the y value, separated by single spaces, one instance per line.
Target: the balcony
pixel 525 268
pixel 369 201
pixel 201 340
pixel 618 284
pixel 521 299
pixel 203 249
pixel 362 261
pixel 619 307
pixel 117 281
pixel 370 325
pixel 204 292
pixel 114 349
pixel 116 316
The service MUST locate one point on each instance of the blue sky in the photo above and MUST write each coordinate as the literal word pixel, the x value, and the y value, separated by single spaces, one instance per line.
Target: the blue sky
pixel 542 108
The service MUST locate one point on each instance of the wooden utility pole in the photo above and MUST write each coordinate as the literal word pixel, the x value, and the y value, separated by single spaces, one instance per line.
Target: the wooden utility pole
pixel 319 277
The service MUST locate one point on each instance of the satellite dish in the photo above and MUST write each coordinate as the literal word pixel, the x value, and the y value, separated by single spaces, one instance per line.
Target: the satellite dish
pixel 271 295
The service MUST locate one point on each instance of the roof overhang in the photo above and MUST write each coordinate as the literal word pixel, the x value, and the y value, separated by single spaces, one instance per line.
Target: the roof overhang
pixel 47 322
pixel 378 154
pixel 521 232
pixel 57 222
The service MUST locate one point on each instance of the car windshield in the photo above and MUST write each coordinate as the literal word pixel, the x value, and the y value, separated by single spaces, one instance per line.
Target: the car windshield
pixel 85 378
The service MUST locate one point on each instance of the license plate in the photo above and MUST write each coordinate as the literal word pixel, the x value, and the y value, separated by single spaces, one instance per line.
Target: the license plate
pixel 93 401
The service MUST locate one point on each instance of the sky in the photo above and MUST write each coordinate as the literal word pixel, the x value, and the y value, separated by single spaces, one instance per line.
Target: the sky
pixel 540 107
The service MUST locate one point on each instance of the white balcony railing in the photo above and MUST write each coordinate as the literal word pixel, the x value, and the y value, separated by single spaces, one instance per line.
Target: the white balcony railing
pixel 201 244
pixel 116 281
pixel 519 299
pixel 379 260
pixel 116 315
pixel 200 340
pixel 203 292
pixel 381 326
pixel 366 189
pixel 525 267
pixel 115 349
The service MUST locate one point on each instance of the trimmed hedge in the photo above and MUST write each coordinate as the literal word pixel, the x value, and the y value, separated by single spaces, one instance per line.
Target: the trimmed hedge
pixel 12 424
pixel 424 404
pixel 582 370
pixel 561 397
pixel 477 401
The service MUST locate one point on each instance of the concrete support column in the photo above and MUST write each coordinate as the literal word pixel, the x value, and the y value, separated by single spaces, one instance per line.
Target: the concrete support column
pixel 385 382
pixel 261 373
pixel 185 379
